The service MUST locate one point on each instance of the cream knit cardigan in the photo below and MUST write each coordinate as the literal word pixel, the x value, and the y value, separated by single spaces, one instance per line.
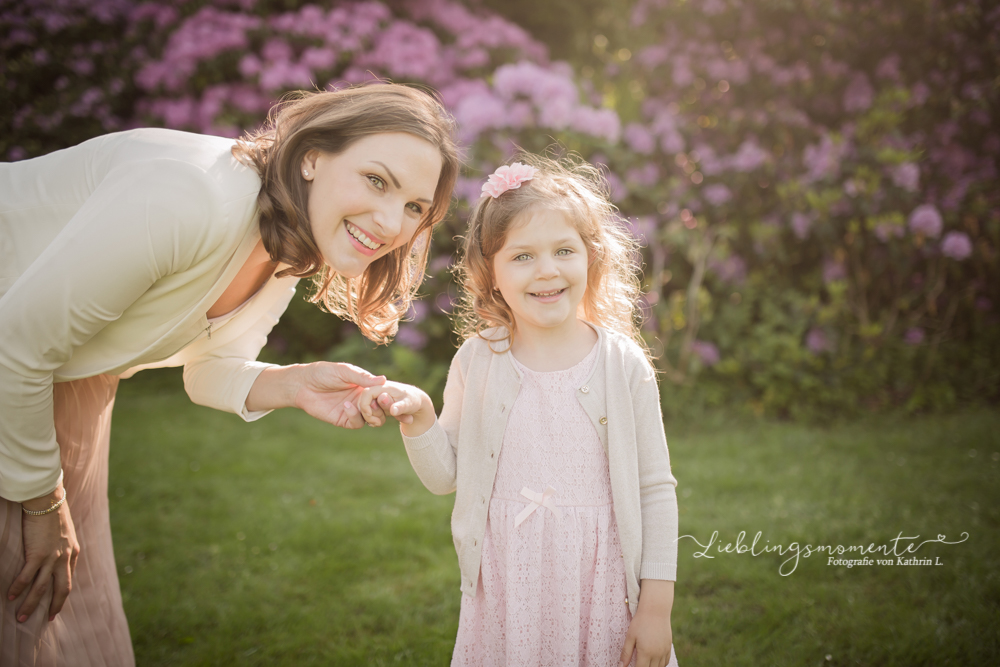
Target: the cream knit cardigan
pixel 111 253
pixel 460 452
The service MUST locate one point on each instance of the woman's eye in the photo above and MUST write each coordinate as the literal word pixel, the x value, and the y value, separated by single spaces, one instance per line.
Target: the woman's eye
pixel 376 181
pixel 416 208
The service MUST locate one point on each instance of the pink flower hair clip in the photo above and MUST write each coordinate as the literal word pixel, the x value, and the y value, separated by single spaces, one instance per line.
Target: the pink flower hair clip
pixel 508 178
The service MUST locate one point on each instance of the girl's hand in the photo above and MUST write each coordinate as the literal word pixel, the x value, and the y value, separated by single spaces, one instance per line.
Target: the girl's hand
pixel 411 407
pixel 649 634
pixel 50 553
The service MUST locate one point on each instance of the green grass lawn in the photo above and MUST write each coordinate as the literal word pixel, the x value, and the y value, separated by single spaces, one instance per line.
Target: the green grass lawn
pixel 289 542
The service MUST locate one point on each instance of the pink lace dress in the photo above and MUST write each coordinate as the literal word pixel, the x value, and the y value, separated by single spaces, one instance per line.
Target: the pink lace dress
pixel 552 585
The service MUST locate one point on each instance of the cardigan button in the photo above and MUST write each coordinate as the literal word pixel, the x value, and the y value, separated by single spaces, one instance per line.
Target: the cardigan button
pixel 626 600
pixel 604 420
pixel 585 389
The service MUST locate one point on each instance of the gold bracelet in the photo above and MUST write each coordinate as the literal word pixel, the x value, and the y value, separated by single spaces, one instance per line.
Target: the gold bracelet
pixel 56 504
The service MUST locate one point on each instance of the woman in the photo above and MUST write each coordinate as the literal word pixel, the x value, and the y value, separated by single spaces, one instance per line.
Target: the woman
pixel 156 248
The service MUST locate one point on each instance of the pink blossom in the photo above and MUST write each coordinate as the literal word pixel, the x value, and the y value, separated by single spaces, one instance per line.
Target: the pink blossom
pixel 479 112
pixel 956 245
pixel 732 269
pixel 639 138
pixel 647 175
pixel 707 352
pixel 717 194
pixel 319 58
pixel 914 336
pixel 818 342
pixel 748 156
pixel 888 67
pixel 886 231
pixel 926 220
pixel 445 302
pixel 801 223
pixel 411 337
pixel 600 123
pixel 859 94
pixel 920 93
pixel 833 270
pixel 906 176
pixel 508 177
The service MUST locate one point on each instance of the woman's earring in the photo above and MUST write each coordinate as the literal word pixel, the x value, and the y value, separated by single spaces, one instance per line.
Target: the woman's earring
pixel 305 172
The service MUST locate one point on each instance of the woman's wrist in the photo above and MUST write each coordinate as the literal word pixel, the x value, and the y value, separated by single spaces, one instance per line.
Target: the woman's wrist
pixel 276 387
pixel 42 503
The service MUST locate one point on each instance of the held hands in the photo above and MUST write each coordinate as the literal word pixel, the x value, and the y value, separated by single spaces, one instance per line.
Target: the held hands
pixel 411 407
pixel 329 391
pixel 50 553
pixel 649 634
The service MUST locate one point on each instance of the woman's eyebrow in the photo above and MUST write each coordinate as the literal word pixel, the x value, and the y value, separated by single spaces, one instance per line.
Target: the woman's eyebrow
pixel 395 181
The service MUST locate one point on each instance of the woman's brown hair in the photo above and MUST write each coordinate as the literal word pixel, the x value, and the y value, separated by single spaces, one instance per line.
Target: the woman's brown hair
pixel 577 189
pixel 330 122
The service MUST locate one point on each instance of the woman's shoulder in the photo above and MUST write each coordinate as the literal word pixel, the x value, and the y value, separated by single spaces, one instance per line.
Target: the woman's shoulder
pixel 182 155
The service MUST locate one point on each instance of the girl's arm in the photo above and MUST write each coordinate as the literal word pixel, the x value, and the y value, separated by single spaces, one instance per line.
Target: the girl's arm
pixel 649 633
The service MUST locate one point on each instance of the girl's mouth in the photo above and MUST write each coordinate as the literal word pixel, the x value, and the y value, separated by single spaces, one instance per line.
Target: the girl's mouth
pixel 363 239
pixel 551 295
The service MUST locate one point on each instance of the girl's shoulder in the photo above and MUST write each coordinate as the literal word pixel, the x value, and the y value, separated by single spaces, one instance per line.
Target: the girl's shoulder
pixel 626 352
pixel 485 348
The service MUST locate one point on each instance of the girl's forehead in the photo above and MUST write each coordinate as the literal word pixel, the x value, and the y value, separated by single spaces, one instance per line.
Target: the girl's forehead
pixel 542 220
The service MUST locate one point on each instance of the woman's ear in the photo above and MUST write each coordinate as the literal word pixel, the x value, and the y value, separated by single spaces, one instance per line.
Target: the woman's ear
pixel 308 168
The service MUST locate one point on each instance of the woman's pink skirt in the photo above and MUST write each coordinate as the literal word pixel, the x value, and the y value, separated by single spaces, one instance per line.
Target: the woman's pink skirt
pixel 91 628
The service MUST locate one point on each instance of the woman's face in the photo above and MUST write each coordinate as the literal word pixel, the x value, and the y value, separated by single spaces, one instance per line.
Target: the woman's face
pixel 368 200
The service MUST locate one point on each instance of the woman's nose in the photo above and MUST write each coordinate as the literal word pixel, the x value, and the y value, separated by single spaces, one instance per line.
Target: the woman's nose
pixel 388 222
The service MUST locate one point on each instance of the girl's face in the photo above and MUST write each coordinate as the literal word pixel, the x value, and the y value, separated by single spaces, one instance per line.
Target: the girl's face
pixel 541 272
pixel 368 200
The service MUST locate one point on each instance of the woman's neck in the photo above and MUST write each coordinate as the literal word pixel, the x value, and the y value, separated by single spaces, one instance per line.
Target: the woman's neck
pixel 251 277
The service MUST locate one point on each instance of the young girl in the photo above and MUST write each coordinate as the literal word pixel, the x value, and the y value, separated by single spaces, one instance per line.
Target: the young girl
pixel 565 517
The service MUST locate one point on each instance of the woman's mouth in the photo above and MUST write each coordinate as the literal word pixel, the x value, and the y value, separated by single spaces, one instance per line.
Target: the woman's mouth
pixel 363 239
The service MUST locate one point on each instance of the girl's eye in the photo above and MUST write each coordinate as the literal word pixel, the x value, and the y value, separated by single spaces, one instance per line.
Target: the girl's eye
pixel 522 257
pixel 416 208
pixel 376 181
pixel 564 251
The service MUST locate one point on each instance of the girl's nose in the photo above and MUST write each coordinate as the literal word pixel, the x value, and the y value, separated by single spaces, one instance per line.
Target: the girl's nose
pixel 546 268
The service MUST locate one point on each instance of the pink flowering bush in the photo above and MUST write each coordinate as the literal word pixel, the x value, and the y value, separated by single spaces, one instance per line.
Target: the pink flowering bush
pixel 813 182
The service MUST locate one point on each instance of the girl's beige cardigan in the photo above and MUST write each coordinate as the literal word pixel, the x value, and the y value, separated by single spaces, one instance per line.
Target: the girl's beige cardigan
pixel 460 452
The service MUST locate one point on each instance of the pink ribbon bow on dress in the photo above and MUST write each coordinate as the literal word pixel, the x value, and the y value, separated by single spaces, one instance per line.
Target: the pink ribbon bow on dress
pixel 537 500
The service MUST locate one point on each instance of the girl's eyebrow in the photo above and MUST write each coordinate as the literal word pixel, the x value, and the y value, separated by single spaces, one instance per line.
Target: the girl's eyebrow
pixel 395 181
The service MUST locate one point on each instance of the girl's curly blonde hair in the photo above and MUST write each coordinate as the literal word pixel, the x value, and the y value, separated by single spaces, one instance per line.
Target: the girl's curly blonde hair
pixel 578 190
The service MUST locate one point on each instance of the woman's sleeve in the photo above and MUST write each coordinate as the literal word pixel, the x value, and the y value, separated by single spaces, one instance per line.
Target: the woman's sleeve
pixel 433 455
pixel 142 222
pixel 657 485
pixel 222 378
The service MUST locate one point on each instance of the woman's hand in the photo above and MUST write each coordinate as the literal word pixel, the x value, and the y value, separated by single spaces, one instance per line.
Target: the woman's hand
pixel 325 390
pixel 649 634
pixel 50 553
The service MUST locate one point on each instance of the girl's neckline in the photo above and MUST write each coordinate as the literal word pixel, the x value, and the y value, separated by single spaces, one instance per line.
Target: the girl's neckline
pixel 586 359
